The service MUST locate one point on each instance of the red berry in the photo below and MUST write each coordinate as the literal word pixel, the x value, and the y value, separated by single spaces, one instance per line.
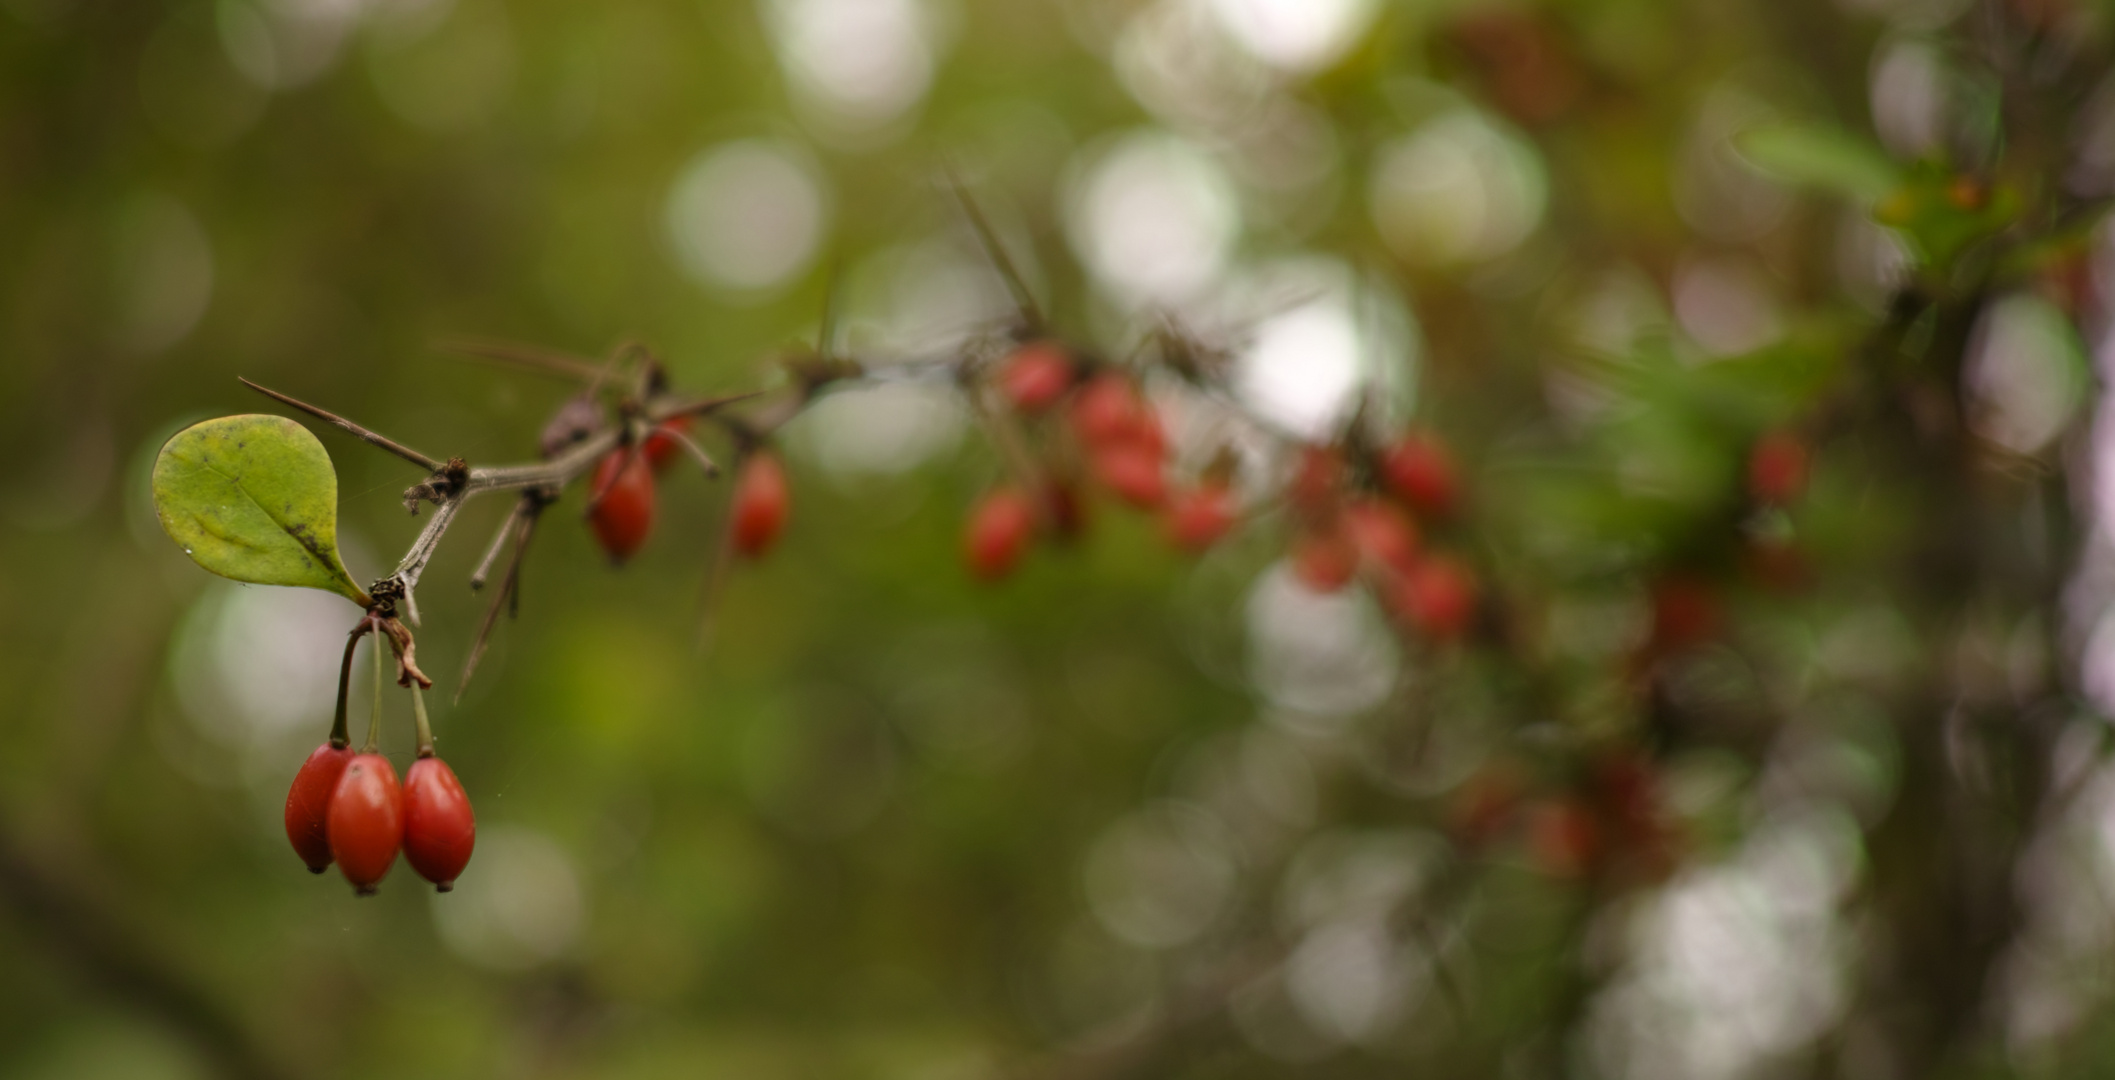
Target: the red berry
pixel 308 804
pixel 1382 534
pixel 1036 375
pixel 366 821
pixel 1066 511
pixel 1420 470
pixel 439 829
pixel 1109 410
pixel 999 531
pixel 760 503
pixel 1317 479
pixel 1133 471
pixel 1777 469
pixel 1324 560
pixel 624 512
pixel 659 448
pixel 1197 519
pixel 1685 612
pixel 1438 596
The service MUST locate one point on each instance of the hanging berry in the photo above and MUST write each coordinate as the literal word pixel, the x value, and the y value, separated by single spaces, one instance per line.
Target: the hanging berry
pixel 308 804
pixel 439 829
pixel 1777 469
pixel 1438 596
pixel 760 504
pixel 1324 559
pixel 1036 375
pixel 1382 535
pixel 663 443
pixel 998 534
pixel 1197 519
pixel 622 513
pixel 366 821
pixel 1109 410
pixel 1420 471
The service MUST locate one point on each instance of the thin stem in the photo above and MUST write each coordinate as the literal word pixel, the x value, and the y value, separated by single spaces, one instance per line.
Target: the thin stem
pixel 418 711
pixel 523 357
pixel 1030 313
pixel 374 716
pixel 340 738
pixel 507 528
pixel 697 453
pixel 430 464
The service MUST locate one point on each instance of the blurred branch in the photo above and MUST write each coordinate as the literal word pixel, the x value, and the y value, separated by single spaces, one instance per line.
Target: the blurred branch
pixel 126 963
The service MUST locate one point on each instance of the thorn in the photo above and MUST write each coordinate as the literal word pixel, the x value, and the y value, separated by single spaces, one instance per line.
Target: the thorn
pixel 430 464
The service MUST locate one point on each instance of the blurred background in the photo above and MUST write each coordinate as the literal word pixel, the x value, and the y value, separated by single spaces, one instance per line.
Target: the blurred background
pixel 1722 785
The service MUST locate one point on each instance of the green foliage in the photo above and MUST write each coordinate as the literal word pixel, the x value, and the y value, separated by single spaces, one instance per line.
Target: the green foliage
pixel 254 498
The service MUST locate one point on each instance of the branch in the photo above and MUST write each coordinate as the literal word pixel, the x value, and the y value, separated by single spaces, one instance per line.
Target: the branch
pixel 430 464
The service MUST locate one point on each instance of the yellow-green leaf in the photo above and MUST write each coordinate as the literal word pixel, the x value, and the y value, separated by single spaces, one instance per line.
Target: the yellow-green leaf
pixel 254 498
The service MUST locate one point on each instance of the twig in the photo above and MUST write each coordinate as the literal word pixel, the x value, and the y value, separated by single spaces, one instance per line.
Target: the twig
pixel 499 541
pixel 430 464
pixel 1031 315
pixel 523 357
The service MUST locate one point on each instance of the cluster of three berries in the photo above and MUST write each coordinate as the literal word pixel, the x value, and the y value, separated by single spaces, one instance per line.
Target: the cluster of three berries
pixel 348 808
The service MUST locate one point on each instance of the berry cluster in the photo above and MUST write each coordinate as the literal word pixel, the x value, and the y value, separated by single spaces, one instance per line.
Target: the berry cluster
pixel 1353 505
pixel 348 808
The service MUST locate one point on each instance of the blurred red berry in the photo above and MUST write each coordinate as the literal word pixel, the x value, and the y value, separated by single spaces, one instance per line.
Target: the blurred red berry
pixel 623 514
pixel 661 447
pixel 1685 612
pixel 1000 528
pixel 1382 534
pixel 1036 375
pixel 1109 409
pixel 1420 471
pixel 1318 477
pixel 439 829
pixel 760 503
pixel 1065 510
pixel 1134 472
pixel 308 804
pixel 1777 469
pixel 1324 559
pixel 1197 519
pixel 1484 804
pixel 366 821
pixel 1438 596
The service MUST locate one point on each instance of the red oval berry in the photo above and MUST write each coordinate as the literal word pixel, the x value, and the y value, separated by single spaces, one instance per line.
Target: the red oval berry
pixel 1324 560
pixel 998 534
pixel 1382 534
pixel 1316 480
pixel 366 821
pixel 308 804
pixel 1066 511
pixel 624 513
pixel 661 448
pixel 1036 375
pixel 1777 469
pixel 1420 471
pixel 1133 471
pixel 1438 596
pixel 1197 519
pixel 1685 612
pixel 1109 410
pixel 760 504
pixel 439 829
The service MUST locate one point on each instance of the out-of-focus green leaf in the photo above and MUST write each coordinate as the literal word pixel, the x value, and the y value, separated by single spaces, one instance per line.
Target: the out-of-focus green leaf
pixel 1819 157
pixel 254 498
pixel 1942 213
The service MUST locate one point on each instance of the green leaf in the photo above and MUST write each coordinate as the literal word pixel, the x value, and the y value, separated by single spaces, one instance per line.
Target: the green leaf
pixel 254 498
pixel 1820 157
